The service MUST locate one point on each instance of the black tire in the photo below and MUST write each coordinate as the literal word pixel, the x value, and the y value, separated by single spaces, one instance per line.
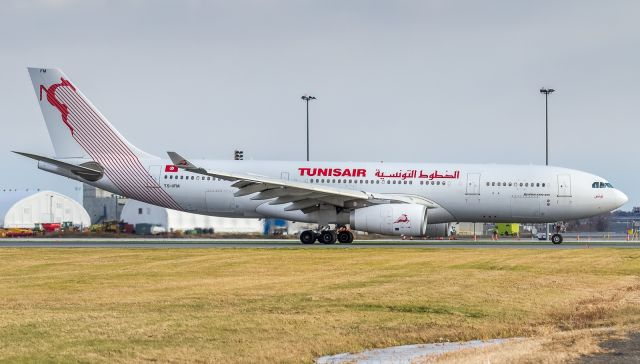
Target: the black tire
pixel 556 239
pixel 328 237
pixel 307 237
pixel 345 237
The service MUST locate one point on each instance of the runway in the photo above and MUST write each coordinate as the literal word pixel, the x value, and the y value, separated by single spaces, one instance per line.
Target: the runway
pixel 294 244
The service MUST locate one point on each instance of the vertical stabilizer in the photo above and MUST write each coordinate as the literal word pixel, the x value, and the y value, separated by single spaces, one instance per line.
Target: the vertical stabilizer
pixel 76 128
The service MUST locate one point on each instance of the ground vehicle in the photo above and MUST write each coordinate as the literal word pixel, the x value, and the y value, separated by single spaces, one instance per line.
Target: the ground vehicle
pixel 511 229
pixel 17 232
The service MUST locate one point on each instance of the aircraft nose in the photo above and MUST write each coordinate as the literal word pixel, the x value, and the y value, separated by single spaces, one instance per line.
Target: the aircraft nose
pixel 621 198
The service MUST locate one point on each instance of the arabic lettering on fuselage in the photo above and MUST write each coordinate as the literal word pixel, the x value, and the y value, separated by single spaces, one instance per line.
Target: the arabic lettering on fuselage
pixel 414 173
pixel 361 172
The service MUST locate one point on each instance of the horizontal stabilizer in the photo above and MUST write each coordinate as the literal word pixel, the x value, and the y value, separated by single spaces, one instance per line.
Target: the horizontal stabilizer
pixel 90 171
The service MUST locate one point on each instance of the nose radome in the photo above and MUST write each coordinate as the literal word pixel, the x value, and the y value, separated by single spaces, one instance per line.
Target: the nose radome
pixel 621 198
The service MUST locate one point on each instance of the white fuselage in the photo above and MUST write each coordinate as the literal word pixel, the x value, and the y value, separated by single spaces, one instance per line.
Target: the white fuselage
pixel 464 192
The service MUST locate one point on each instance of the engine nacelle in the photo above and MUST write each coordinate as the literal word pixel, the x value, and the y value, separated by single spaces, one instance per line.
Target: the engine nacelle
pixel 440 230
pixel 391 219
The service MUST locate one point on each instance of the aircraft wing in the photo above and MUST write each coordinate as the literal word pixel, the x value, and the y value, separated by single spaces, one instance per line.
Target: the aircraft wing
pixel 302 196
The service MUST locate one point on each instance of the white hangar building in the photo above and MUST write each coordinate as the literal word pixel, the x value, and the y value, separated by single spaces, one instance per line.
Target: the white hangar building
pixel 23 209
pixel 136 212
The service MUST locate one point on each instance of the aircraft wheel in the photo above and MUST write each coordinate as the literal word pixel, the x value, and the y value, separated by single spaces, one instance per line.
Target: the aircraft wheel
pixel 345 237
pixel 328 237
pixel 307 237
pixel 556 239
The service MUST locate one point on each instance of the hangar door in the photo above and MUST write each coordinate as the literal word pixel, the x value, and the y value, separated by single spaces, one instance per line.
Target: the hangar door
pixel 473 183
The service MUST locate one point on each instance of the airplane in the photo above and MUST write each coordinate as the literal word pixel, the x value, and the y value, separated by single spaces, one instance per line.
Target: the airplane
pixel 401 199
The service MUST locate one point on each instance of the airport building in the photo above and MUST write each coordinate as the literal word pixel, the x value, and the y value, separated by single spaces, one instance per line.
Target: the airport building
pixel 25 208
pixel 136 212
pixel 102 205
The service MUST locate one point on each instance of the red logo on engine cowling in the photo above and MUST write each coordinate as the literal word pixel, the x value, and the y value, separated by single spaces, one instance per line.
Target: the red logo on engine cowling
pixel 402 219
pixel 170 168
pixel 51 97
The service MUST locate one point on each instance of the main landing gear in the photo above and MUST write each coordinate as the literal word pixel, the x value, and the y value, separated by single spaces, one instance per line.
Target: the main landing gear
pixel 326 236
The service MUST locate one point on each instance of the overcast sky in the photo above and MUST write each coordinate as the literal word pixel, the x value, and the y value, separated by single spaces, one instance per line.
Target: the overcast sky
pixel 419 81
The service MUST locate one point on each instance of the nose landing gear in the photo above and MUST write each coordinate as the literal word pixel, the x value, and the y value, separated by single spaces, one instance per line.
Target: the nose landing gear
pixel 556 239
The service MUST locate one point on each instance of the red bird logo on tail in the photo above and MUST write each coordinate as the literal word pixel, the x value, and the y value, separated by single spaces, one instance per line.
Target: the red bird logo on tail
pixel 51 97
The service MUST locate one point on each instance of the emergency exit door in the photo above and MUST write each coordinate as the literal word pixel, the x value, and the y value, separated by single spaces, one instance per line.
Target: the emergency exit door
pixel 154 171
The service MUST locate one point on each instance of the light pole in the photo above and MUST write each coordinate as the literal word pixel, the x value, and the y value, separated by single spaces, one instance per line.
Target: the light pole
pixel 307 99
pixel 546 93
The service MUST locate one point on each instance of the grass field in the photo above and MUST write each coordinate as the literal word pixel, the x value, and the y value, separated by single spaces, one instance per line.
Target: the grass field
pixel 292 305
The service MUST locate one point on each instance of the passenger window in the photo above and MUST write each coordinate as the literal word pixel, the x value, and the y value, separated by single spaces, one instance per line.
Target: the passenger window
pixel 509 184
pixel 438 183
pixel 488 183
pixel 492 183
pixel 537 184
pixel 504 183
pixel 526 184
pixel 543 184
pixel 520 184
pixel 377 182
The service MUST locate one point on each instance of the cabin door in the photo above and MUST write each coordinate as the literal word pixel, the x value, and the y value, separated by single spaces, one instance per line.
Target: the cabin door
pixel 564 185
pixel 473 183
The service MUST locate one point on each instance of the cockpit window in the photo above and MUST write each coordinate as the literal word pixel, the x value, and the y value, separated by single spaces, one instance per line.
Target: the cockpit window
pixel 601 185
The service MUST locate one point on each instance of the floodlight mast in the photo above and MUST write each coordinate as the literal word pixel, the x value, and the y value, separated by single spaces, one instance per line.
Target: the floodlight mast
pixel 308 98
pixel 546 93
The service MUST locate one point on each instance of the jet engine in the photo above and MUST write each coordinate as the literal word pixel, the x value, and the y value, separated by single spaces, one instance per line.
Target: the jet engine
pixel 440 230
pixel 391 219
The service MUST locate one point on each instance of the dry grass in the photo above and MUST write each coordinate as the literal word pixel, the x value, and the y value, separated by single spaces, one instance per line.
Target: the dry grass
pixel 292 305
